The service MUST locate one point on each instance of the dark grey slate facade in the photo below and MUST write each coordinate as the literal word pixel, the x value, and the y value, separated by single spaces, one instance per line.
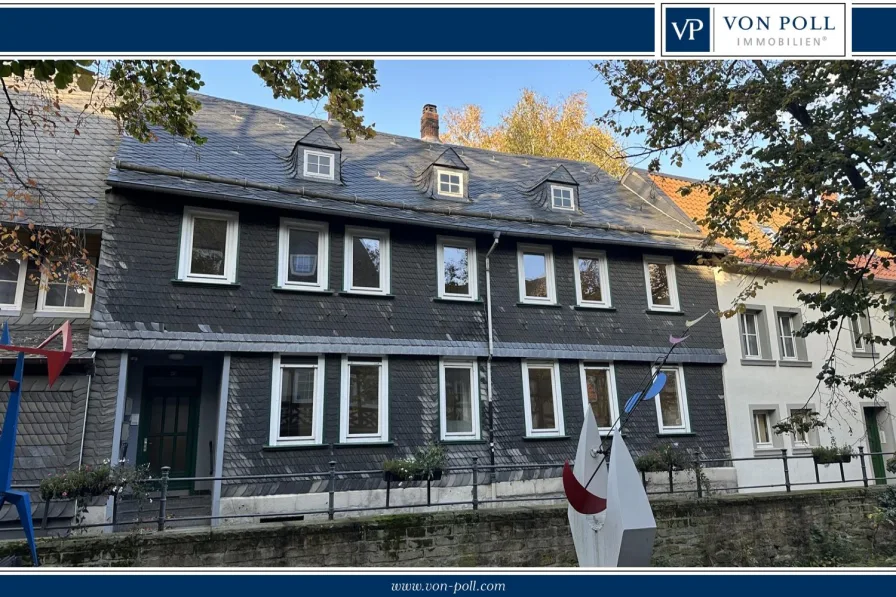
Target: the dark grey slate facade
pixel 142 309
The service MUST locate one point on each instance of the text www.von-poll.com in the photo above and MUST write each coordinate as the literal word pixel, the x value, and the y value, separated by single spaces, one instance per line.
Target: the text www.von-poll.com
pixel 470 586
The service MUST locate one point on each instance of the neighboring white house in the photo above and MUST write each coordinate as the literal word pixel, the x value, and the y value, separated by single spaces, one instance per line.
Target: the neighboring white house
pixel 771 373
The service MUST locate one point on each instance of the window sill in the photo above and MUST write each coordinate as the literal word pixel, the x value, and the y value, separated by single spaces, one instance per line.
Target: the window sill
pixel 794 363
pixel 664 312
pixel 547 305
pixel 801 450
pixel 865 355
pixel 594 308
pixel 445 299
pixel 764 452
pixel 758 362
pixel 61 314
pixel 544 438
pixel 300 290
pixel 676 434
pixel 457 442
pixel 363 444
pixel 371 295
pixel 288 447
pixel 10 312
pixel 179 282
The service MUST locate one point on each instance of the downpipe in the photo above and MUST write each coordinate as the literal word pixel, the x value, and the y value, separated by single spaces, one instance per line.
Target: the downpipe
pixel 488 365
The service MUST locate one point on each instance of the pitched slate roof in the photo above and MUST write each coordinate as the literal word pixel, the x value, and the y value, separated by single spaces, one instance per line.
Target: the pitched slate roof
pixel 70 165
pixel 242 161
pixel 318 137
pixel 696 202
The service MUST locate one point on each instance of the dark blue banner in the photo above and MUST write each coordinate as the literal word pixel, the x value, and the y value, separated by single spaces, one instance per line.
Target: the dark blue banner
pixel 459 583
pixel 874 29
pixel 461 30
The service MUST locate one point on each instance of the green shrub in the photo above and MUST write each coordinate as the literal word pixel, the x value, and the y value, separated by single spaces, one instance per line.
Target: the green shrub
pixel 831 454
pixel 659 459
pixel 94 481
pixel 421 465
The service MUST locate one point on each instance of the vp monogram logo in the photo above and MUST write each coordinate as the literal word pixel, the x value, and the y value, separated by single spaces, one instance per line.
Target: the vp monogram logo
pixel 687 29
pixel 690 27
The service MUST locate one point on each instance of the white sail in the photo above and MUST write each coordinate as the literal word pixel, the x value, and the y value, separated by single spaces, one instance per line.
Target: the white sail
pixel 623 534
pixel 584 526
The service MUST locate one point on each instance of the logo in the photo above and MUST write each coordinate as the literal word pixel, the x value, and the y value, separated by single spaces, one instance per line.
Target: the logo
pixel 687 29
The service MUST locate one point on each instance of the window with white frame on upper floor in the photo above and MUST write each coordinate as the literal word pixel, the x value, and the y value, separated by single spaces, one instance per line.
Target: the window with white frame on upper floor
pixel 860 328
pixel 364 400
pixel 66 288
pixel 801 438
pixel 543 401
pixel 563 198
pixel 599 394
pixel 367 261
pixel 459 399
pixel 672 403
pixel 450 183
pixel 749 334
pixel 662 288
pixel 304 255
pixel 457 268
pixel 787 335
pixel 208 246
pixel 297 400
pixel 592 278
pixel 12 283
pixel 536 274
pixel 318 164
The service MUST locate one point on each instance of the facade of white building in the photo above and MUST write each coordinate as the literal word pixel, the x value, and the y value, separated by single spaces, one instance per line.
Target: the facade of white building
pixel 770 373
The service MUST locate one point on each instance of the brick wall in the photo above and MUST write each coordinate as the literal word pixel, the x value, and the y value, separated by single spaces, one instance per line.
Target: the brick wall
pixel 811 528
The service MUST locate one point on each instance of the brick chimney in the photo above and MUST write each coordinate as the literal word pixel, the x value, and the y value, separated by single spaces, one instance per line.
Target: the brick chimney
pixel 429 124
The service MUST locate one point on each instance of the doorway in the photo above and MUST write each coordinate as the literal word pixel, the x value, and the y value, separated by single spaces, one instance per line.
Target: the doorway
pixel 169 421
pixel 874 443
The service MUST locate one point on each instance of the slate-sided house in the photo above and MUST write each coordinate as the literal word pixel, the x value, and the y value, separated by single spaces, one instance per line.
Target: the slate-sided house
pixel 280 297
pixel 66 425
pixel 771 372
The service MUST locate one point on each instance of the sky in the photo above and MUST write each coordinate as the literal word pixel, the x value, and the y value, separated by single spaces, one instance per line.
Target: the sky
pixel 406 85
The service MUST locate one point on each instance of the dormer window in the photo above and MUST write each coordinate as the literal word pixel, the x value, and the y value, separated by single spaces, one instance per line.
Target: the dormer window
pixel 318 164
pixel 562 198
pixel 451 184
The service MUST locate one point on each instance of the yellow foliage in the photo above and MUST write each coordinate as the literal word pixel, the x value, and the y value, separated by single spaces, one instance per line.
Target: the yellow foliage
pixel 535 126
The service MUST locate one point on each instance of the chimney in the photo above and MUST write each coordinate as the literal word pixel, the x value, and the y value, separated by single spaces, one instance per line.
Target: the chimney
pixel 429 124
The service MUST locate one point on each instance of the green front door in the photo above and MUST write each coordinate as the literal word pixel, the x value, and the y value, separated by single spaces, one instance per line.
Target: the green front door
pixel 169 420
pixel 877 460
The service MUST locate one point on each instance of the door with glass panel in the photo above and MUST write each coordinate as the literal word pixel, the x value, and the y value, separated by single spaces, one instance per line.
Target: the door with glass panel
pixel 169 420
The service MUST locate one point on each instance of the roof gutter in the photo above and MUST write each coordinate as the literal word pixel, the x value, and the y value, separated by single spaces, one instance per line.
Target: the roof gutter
pixel 302 192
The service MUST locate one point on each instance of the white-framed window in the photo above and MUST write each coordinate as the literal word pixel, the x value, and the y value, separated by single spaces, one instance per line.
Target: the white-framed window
pixel 762 429
pixel 318 164
pixel 68 291
pixel 297 401
pixel 599 394
pixel 459 399
pixel 367 260
pixel 563 197
pixel 592 278
pixel 304 255
pixel 749 335
pixel 543 400
pixel 364 410
pixel 450 183
pixel 787 333
pixel 457 271
pixel 672 403
pixel 12 283
pixel 662 289
pixel 801 439
pixel 536 274
pixel 860 327
pixel 208 246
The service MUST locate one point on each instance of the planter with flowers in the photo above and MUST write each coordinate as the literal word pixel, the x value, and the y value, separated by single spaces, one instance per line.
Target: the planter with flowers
pixel 832 454
pixel 425 465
